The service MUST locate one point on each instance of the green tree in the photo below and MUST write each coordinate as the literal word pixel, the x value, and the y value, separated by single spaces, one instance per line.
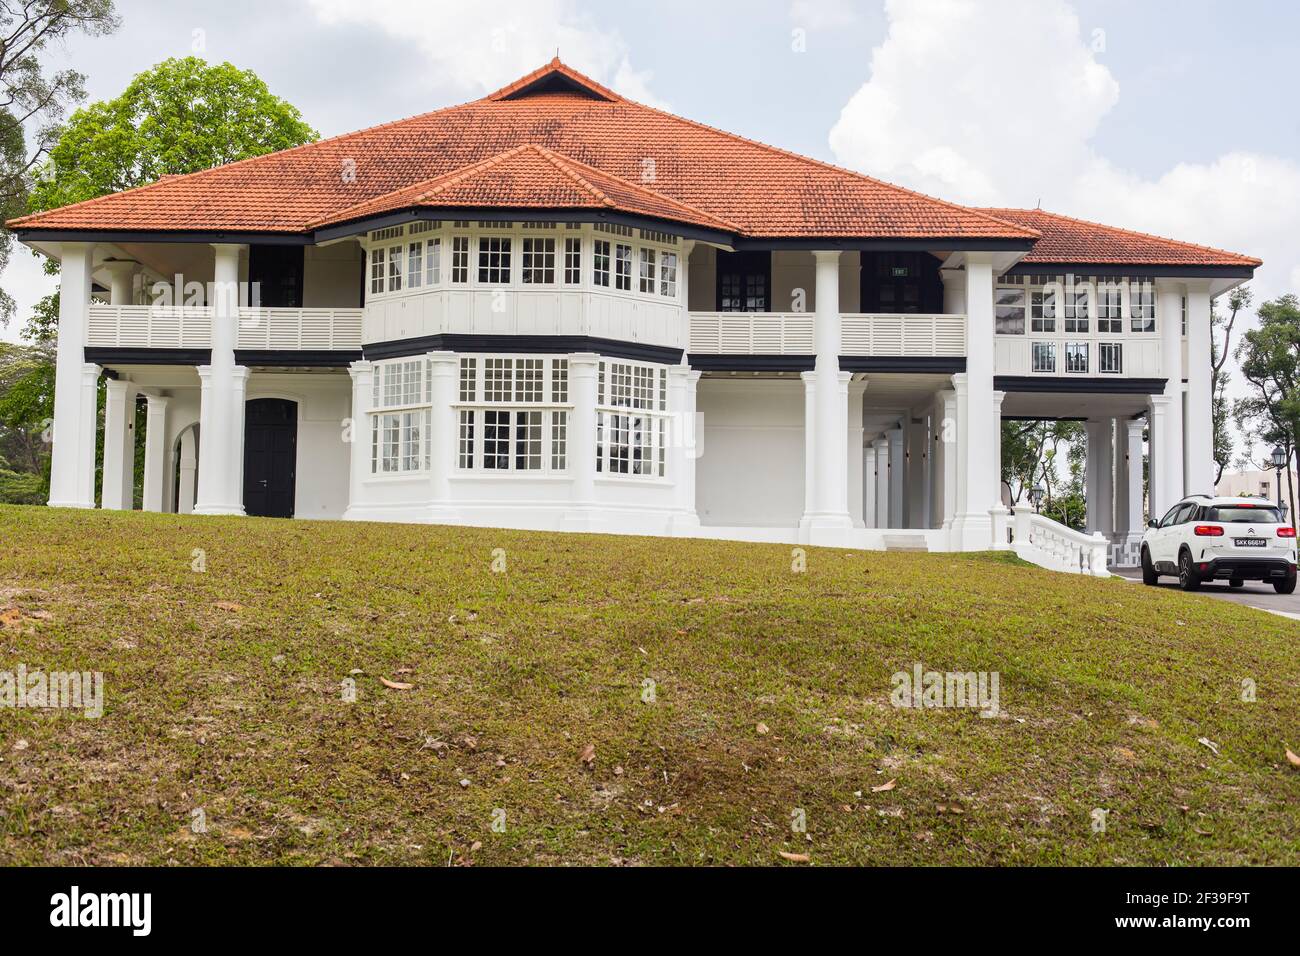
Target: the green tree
pixel 1030 454
pixel 181 116
pixel 33 100
pixel 1269 358
pixel 1220 413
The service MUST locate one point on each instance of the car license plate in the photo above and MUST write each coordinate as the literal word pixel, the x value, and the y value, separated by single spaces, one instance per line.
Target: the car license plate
pixel 1250 542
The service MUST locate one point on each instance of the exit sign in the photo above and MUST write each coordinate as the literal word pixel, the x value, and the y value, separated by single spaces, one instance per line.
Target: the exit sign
pixel 899 272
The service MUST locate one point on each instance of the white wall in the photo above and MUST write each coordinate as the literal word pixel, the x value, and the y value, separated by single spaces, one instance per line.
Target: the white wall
pixel 752 468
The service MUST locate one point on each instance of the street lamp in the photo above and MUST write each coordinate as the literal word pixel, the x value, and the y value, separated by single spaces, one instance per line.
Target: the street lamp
pixel 1279 459
pixel 1036 496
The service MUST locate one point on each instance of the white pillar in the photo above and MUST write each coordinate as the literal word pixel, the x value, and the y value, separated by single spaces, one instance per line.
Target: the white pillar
pixel 1169 321
pixel 869 481
pixel 684 447
pixel 1162 496
pixel 1133 479
pixel 881 445
pixel 1119 476
pixel 155 453
pixel 856 389
pixel 946 446
pixel 954 291
pixel 1199 426
pixel 809 380
pixel 914 503
pixel 584 379
pixel 121 290
pixel 362 374
pixel 897 478
pixel 221 433
pixel 927 471
pixel 72 465
pixel 830 499
pixel 117 491
pixel 978 474
pixel 188 472
pixel 444 368
pixel 1100 470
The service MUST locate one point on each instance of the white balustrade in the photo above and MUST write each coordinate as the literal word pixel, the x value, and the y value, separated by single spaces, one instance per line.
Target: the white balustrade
pixel 190 327
pixel 1049 544
pixel 786 333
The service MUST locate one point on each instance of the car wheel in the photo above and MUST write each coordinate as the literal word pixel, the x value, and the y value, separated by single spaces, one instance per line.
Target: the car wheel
pixel 1188 579
pixel 1149 575
pixel 1235 582
pixel 1286 585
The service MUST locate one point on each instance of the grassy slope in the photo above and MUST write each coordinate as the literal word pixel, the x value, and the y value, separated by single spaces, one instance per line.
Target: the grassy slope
pixel 1106 687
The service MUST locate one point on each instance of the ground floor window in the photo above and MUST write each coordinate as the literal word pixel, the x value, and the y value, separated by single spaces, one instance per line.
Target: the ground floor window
pixel 400 417
pixel 632 420
pixel 513 414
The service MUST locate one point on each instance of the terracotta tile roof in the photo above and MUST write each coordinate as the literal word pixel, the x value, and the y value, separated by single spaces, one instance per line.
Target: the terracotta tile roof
pixel 1067 240
pixel 530 177
pixel 764 191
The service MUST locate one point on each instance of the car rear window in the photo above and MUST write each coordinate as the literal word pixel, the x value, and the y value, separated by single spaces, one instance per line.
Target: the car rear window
pixel 1239 514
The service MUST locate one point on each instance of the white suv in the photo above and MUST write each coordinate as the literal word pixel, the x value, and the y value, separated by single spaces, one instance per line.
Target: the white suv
pixel 1203 538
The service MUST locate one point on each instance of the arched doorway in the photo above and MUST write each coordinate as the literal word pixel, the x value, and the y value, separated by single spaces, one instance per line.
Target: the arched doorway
pixel 270 457
pixel 185 470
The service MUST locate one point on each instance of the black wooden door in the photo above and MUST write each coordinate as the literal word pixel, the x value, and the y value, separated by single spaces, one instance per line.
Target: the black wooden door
pixel 744 282
pixel 270 456
pixel 901 282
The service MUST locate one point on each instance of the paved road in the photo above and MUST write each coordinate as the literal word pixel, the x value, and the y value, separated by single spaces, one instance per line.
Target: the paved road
pixel 1252 593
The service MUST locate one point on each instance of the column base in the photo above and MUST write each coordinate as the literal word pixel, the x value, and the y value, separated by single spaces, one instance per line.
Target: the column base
pixel 443 514
pixel 582 521
pixel 828 530
pixel 971 532
pixel 684 524
pixel 69 504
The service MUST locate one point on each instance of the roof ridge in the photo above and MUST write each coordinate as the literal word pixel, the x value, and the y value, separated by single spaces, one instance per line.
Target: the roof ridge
pixel 1128 232
pixel 561 163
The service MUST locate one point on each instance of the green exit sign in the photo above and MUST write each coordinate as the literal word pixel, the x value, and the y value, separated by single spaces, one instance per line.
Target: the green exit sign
pixel 899 272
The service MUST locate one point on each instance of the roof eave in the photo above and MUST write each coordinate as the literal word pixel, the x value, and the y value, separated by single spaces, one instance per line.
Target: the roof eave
pixel 1143 269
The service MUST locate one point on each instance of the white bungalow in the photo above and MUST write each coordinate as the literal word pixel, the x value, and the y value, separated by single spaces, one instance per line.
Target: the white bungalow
pixel 554 308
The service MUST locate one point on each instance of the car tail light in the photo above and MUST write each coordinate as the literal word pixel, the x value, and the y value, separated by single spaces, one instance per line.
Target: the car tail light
pixel 1208 531
pixel 1287 532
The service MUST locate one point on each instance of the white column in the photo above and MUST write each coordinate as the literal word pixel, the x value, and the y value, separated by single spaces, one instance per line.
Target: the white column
pixel 978 474
pixel 1161 493
pixel 72 465
pixel 121 289
pixel 584 372
pixel 1100 491
pixel 897 478
pixel 1199 426
pixel 1133 479
pixel 360 450
pixel 914 504
pixel 830 502
pixel 221 434
pixel 856 478
pixel 445 371
pixel 682 384
pixel 954 291
pixel 117 491
pixel 1169 321
pixel 869 481
pixel 881 445
pixel 1119 476
pixel 155 453
pixel 946 445
pixel 927 472
pixel 188 472
pixel 809 380
pixel 999 513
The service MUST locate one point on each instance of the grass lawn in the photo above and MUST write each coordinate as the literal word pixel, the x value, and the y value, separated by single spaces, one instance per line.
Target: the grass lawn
pixel 223 693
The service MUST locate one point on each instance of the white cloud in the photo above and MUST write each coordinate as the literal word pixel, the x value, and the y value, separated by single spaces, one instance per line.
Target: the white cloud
pixel 476 48
pixel 1002 110
pixel 822 14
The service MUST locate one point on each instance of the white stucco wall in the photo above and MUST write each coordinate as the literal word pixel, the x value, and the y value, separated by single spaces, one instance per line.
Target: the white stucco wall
pixel 751 471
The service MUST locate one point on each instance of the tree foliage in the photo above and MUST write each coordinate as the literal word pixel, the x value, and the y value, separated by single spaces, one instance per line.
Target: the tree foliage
pixel 1269 357
pixel 181 116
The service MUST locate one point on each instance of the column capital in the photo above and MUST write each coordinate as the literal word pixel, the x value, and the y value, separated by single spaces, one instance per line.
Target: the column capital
pixel 960 383
pixel 239 374
pixel 809 378
pixel 361 370
pixel 1160 402
pixel 583 360
pixel 879 443
pixel 442 357
pixel 827 255
pixel 1136 426
pixel 157 402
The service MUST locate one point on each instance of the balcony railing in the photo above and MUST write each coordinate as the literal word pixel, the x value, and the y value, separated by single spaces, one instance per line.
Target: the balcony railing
pixel 190 327
pixel 781 333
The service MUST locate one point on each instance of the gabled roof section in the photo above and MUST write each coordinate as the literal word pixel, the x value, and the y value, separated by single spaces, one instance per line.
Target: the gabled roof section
pixel 1067 241
pixel 531 177
pixel 555 77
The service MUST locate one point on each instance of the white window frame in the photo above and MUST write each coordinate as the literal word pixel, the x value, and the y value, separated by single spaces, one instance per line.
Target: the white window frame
pixel 547 410
pixel 632 421
pixel 401 417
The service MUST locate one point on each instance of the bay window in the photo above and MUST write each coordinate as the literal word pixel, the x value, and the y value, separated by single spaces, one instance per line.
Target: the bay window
pixel 494 260
pixel 622 267
pixel 631 420
pixel 400 417
pixel 537 266
pixel 513 414
pixel 1009 311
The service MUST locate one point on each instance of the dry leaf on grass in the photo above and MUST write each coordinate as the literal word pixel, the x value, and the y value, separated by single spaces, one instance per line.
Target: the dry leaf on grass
pixel 588 755
pixel 884 786
pixel 11 617
pixel 1207 742
pixel 234 607
pixel 761 728
pixel 1292 759
pixel 794 857
pixel 395 685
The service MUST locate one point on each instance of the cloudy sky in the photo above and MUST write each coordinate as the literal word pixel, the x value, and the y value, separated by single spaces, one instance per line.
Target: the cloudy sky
pixel 1171 116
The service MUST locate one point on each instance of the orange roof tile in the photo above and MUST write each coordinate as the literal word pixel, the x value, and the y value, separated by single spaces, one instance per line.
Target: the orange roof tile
pixel 1068 240
pixel 763 191
pixel 530 177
